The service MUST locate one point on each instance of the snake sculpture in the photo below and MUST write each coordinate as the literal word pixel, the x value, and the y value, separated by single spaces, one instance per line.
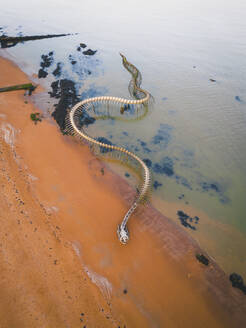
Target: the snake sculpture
pixel 142 97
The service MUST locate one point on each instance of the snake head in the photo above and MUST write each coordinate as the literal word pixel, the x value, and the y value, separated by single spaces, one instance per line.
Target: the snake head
pixel 123 57
pixel 123 234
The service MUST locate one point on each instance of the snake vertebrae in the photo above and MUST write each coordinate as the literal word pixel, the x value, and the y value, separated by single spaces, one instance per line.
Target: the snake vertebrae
pixel 141 97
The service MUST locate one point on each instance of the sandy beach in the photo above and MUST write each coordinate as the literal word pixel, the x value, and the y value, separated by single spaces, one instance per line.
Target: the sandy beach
pixel 61 262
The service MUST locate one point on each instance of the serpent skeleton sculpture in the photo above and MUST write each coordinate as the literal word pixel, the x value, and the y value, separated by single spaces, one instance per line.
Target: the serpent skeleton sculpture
pixel 74 127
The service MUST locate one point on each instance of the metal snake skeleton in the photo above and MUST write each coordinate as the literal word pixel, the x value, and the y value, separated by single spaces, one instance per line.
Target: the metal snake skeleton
pixel 73 126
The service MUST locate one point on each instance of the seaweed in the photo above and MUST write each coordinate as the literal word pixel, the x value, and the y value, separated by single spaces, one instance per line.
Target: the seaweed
pixel 214 188
pixel 148 162
pixel 210 186
pixel 93 91
pixel 156 184
pixel 163 136
pixel 183 181
pixel 36 117
pixel 164 167
pixel 144 146
pixel 86 119
pixel 105 141
pixel 187 160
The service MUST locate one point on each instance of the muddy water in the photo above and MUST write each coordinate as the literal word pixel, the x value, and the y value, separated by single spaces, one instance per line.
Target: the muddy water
pixel 192 58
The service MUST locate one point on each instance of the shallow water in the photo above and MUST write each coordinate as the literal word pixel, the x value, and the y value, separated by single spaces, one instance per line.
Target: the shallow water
pixel 194 133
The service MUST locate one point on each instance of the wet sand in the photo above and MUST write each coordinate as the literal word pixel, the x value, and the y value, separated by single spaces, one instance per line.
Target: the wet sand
pixel 60 254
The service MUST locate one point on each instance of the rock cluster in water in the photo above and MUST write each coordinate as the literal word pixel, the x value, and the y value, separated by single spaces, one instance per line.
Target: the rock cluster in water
pixel 202 258
pixel 237 282
pixel 186 220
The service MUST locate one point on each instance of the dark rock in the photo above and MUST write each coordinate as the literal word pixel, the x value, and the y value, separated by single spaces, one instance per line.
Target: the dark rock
pixel 83 45
pixel 57 71
pixel 182 214
pixel 202 258
pixel 42 73
pixel 185 219
pixel 212 80
pixel 125 291
pixel 89 52
pixel 237 282
pixel 8 41
pixel 125 133
pixel 196 218
pixel 47 60
pixel 65 91
pixel 73 62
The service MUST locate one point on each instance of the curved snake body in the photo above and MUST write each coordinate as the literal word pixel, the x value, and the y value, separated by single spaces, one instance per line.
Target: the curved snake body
pixel 76 111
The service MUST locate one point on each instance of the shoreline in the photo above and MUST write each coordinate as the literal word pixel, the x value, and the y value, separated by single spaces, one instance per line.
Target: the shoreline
pixel 159 260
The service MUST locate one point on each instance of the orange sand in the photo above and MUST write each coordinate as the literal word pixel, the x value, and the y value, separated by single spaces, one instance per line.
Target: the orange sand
pixel 60 255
